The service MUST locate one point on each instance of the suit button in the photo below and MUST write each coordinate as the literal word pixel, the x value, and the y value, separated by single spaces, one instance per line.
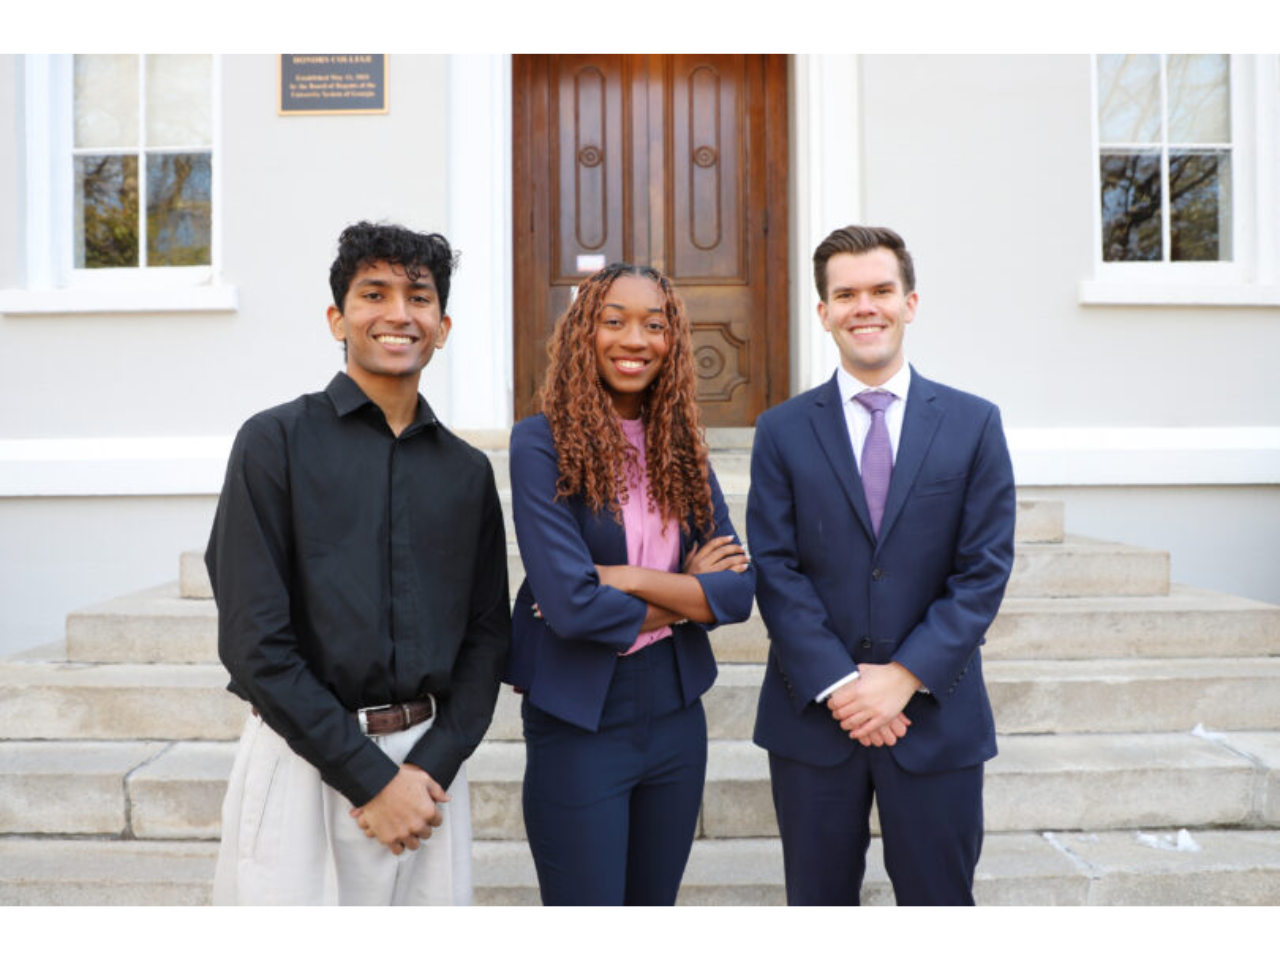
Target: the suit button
pixel 866 643
pixel 877 574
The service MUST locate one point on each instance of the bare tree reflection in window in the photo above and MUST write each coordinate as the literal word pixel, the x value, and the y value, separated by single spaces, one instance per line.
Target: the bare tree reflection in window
pixel 179 209
pixel 1131 206
pixel 107 201
pixel 1200 205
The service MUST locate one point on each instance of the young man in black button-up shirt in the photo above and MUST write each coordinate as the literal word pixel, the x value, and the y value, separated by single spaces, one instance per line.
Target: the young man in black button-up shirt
pixel 358 558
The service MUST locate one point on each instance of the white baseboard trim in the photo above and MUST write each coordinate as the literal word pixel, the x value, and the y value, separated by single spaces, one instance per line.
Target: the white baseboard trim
pixel 1042 457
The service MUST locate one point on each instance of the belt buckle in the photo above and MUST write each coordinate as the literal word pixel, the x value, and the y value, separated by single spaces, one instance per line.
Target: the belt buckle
pixel 362 716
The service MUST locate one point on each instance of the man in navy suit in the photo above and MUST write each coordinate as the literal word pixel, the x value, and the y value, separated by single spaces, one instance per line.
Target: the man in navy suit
pixel 880 520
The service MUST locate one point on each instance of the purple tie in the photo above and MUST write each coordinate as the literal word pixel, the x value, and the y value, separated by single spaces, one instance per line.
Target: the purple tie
pixel 877 457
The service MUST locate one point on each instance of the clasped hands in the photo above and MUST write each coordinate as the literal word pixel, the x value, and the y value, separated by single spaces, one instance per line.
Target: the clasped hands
pixel 405 811
pixel 869 708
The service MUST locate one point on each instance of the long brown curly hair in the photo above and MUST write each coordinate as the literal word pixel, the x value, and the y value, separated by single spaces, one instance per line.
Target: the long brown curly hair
pixel 594 455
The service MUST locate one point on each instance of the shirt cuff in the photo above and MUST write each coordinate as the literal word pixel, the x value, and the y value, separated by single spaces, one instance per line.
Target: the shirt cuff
pixel 835 686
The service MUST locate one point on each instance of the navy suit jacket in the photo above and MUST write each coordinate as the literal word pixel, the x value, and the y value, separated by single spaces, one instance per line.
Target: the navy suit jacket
pixel 566 659
pixel 923 594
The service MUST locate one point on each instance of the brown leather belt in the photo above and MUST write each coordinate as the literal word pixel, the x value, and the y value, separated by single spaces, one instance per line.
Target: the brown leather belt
pixel 394 717
pixel 391 717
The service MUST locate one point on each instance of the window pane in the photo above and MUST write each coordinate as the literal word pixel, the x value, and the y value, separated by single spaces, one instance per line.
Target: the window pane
pixel 179 93
pixel 106 100
pixel 1200 204
pixel 179 209
pixel 1199 98
pixel 106 211
pixel 1129 98
pixel 1131 206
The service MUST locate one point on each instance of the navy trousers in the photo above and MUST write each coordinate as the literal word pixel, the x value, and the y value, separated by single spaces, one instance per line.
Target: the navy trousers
pixel 611 815
pixel 930 824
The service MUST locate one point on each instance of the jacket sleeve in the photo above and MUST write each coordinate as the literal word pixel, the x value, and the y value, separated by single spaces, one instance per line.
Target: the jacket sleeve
pixel 729 594
pixel 810 654
pixel 939 649
pixel 249 557
pixel 560 568
pixel 477 670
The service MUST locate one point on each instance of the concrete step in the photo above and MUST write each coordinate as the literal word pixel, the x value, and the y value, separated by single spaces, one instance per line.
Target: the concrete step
pixel 1077 567
pixel 1066 782
pixel 1229 868
pixel 1068 696
pixel 152 790
pixel 1039 521
pixel 107 873
pixel 1133 868
pixel 152 626
pixel 179 701
pixel 72 787
pixel 161 626
pixel 52 701
pixel 1084 567
pixel 1187 622
pixel 1078 696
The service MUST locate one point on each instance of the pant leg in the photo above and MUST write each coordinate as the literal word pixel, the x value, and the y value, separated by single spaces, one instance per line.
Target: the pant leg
pixel 576 811
pixel 274 848
pixel 824 821
pixel 664 807
pixel 931 825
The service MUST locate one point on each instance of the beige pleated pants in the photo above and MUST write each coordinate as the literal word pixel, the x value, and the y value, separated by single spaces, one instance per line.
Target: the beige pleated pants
pixel 289 838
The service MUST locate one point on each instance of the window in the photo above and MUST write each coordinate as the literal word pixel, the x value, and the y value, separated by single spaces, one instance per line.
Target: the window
pixel 121 208
pixel 142 161
pixel 1164 130
pixel 1184 168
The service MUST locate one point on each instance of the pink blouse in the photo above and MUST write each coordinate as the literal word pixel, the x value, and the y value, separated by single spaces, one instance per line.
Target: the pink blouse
pixel 648 544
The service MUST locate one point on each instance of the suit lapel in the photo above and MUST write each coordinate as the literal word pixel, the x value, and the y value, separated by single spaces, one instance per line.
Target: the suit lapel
pixel 918 428
pixel 827 417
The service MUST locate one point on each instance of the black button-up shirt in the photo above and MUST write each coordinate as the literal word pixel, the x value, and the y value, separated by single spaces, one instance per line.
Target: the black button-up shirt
pixel 354 568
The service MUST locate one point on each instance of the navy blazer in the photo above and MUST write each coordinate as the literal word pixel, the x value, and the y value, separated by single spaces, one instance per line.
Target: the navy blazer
pixel 566 659
pixel 924 594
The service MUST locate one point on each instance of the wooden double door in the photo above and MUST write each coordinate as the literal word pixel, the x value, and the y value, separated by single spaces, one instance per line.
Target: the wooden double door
pixel 678 162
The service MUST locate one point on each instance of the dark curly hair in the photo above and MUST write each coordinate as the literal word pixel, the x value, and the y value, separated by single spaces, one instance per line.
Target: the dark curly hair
pixel 594 455
pixel 364 243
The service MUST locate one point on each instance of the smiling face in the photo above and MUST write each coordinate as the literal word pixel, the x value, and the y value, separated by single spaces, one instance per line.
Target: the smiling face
pixel 631 341
pixel 866 312
pixel 391 325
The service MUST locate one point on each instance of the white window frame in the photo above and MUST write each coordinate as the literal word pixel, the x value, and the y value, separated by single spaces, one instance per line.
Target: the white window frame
pixel 1252 276
pixel 52 285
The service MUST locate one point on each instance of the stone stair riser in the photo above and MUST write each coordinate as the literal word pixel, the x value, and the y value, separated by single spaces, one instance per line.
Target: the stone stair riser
pixel 1015 869
pixel 1037 522
pixel 54 712
pixel 1018 633
pixel 1177 781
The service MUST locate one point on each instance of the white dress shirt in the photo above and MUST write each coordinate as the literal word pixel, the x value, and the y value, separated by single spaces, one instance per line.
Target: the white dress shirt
pixel 858 419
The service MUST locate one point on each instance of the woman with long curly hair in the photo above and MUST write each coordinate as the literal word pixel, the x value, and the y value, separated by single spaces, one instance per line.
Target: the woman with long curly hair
pixel 630 557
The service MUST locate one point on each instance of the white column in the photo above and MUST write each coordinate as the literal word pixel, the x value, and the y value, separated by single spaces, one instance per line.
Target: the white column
pixel 479 353
pixel 828 172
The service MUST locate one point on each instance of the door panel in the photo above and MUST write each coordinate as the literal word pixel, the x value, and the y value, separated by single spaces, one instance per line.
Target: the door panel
pixel 673 161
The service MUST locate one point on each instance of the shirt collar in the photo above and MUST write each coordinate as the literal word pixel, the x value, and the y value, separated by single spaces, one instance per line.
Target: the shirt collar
pixel 347 397
pixel 851 386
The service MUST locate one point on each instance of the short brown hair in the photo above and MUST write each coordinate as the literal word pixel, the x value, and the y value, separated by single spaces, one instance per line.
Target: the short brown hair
pixel 854 239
